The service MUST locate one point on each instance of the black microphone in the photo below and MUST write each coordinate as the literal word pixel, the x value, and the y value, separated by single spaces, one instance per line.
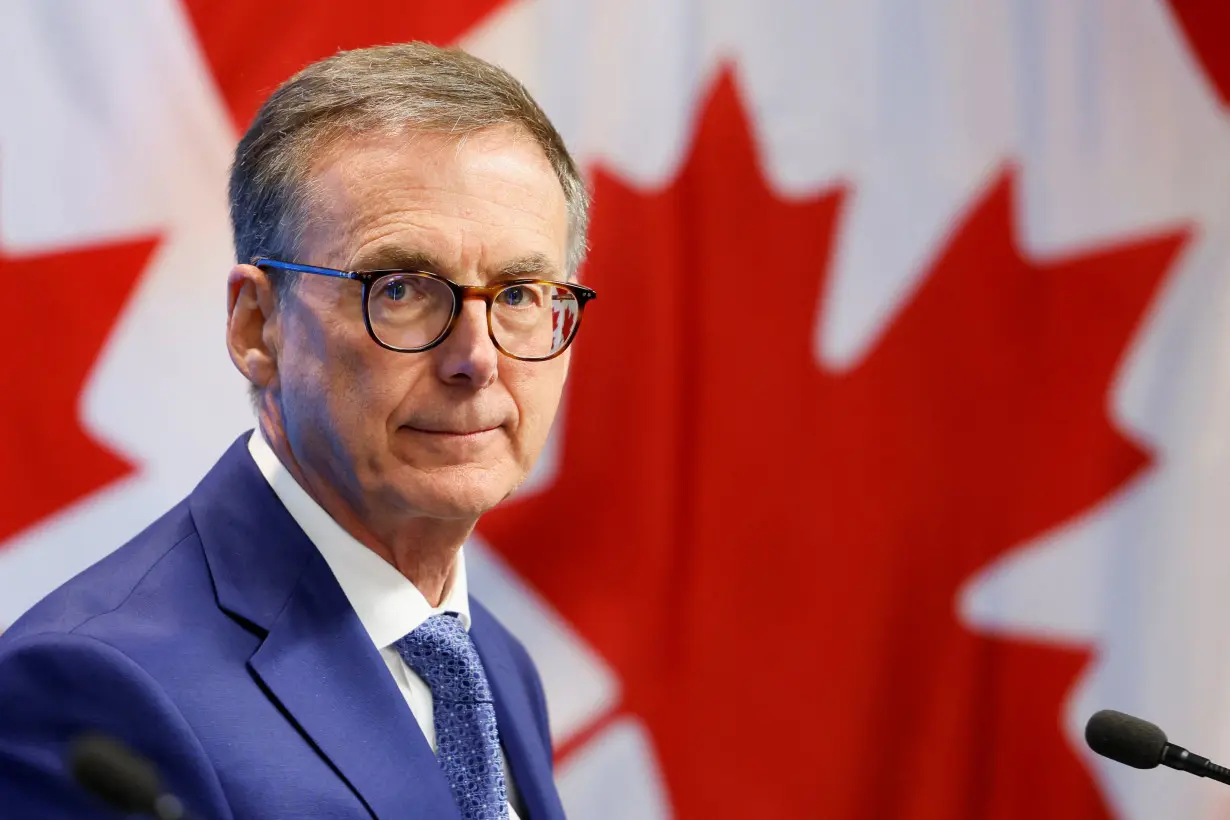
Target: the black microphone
pixel 120 777
pixel 1141 744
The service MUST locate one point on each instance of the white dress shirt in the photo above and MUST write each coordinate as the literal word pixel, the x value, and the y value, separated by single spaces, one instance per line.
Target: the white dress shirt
pixel 388 605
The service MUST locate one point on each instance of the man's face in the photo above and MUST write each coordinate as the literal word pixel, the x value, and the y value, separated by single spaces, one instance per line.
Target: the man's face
pixel 449 432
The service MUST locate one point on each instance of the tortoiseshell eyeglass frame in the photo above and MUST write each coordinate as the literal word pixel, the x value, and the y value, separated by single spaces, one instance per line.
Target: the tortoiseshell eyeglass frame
pixel 487 293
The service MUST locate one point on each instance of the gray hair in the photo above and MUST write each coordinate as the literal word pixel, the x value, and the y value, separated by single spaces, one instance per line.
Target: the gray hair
pixel 410 86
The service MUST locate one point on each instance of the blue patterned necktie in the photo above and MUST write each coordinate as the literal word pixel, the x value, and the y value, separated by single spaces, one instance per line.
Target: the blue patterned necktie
pixel 467 741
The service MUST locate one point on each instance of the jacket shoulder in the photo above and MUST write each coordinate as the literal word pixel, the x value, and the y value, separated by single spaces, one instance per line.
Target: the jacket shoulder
pixel 113 582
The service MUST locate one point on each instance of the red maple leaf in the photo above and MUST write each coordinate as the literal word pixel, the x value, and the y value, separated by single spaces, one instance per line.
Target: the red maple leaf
pixel 769 552
pixel 59 313
pixel 1205 25
pixel 252 48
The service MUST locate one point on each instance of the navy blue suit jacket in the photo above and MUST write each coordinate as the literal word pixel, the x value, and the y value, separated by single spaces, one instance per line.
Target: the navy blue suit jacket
pixel 219 644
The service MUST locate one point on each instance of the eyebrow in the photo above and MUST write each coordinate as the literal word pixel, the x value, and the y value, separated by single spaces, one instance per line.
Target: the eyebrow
pixel 534 266
pixel 390 257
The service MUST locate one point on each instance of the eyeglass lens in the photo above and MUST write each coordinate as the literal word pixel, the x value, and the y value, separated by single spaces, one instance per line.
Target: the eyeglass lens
pixel 410 311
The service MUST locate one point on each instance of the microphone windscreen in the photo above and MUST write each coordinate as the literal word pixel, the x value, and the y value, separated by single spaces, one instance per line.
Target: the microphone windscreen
pixel 1126 739
pixel 107 769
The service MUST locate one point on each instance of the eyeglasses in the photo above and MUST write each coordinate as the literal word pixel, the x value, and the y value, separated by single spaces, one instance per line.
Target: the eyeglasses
pixel 410 311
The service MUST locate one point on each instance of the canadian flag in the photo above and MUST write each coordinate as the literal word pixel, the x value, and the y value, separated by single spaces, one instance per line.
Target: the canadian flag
pixel 896 445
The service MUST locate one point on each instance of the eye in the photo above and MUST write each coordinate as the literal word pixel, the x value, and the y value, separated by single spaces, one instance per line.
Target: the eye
pixel 519 296
pixel 406 290
pixel 395 290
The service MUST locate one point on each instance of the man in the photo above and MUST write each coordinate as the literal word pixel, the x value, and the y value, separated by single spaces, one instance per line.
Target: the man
pixel 295 639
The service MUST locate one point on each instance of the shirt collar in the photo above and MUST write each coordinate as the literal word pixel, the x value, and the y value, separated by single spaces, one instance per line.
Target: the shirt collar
pixel 388 605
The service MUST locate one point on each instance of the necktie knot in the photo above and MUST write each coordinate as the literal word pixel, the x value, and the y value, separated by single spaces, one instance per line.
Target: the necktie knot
pixel 442 654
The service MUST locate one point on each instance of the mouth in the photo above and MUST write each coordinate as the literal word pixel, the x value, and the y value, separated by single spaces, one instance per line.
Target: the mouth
pixel 455 435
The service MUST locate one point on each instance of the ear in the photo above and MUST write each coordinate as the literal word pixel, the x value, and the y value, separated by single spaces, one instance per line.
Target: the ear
pixel 252 332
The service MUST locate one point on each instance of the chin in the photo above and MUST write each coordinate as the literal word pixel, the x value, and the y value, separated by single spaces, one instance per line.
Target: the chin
pixel 457 493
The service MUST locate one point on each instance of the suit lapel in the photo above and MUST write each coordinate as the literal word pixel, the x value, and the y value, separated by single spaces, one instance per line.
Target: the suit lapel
pixel 528 756
pixel 316 661
pixel 319 664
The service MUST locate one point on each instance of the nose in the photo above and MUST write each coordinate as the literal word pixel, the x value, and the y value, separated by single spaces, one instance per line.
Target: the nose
pixel 468 357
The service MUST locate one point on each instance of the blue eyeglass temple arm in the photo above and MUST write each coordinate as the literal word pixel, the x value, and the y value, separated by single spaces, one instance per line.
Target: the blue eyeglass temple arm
pixel 262 262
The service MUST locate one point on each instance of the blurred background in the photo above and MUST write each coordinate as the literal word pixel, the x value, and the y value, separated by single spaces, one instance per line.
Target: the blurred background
pixel 895 445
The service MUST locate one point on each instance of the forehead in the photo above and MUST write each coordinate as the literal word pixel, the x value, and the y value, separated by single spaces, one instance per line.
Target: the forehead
pixel 470 203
